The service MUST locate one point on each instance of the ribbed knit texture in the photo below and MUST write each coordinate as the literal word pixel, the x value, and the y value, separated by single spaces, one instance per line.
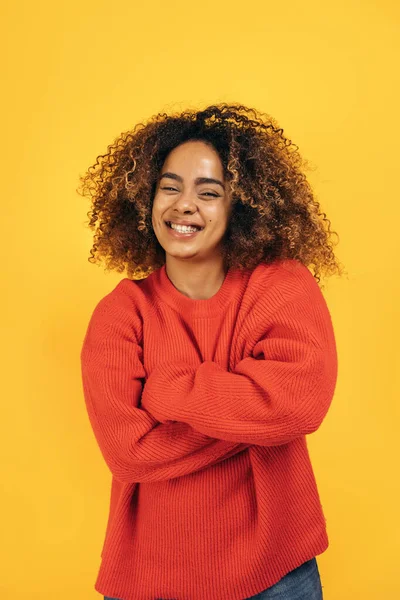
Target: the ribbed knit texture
pixel 200 409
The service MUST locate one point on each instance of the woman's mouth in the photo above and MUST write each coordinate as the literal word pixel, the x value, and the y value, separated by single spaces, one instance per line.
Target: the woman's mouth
pixel 182 231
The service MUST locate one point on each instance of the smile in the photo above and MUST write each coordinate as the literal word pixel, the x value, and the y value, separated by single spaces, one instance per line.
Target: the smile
pixel 182 231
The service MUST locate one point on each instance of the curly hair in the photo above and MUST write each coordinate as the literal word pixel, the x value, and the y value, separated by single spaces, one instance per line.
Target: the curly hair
pixel 274 212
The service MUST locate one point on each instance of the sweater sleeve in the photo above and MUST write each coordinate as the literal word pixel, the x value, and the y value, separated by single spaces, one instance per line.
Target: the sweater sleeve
pixel 135 446
pixel 282 390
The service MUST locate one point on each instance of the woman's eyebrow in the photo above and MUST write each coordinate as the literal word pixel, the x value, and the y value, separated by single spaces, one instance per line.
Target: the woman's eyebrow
pixel 197 181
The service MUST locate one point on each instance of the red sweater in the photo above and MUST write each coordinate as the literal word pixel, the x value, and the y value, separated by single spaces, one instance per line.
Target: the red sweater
pixel 201 410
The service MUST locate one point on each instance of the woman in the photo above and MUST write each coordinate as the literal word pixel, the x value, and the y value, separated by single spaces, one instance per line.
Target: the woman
pixel 204 370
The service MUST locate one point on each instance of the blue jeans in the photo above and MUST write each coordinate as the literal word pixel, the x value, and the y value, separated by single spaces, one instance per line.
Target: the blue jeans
pixel 303 583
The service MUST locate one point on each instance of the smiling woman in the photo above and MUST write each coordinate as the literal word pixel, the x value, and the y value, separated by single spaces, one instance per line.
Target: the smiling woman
pixel 206 367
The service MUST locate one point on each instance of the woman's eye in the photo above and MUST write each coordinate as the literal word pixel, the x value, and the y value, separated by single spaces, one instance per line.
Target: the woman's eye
pixel 202 194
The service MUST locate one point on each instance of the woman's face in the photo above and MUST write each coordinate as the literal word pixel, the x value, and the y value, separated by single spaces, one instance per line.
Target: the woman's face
pixel 183 196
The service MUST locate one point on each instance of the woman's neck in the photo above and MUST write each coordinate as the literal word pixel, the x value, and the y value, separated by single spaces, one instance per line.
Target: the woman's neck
pixel 198 281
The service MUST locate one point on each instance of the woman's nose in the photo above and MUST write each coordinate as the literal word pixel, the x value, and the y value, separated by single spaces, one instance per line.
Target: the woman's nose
pixel 185 202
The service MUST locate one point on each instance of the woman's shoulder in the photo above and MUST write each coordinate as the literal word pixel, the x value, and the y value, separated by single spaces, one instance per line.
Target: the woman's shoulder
pixel 283 280
pixel 280 270
pixel 124 302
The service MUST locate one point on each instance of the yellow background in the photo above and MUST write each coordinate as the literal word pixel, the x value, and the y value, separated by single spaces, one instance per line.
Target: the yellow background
pixel 74 77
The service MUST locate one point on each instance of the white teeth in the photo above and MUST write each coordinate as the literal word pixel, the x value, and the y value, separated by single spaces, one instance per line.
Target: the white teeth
pixel 183 228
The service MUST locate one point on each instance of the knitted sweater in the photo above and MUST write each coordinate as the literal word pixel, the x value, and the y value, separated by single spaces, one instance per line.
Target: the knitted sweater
pixel 200 409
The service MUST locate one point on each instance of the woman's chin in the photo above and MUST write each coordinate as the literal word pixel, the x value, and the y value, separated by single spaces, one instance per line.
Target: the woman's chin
pixel 181 253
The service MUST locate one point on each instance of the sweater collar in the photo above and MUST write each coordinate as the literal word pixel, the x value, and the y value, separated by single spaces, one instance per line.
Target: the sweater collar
pixel 210 307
